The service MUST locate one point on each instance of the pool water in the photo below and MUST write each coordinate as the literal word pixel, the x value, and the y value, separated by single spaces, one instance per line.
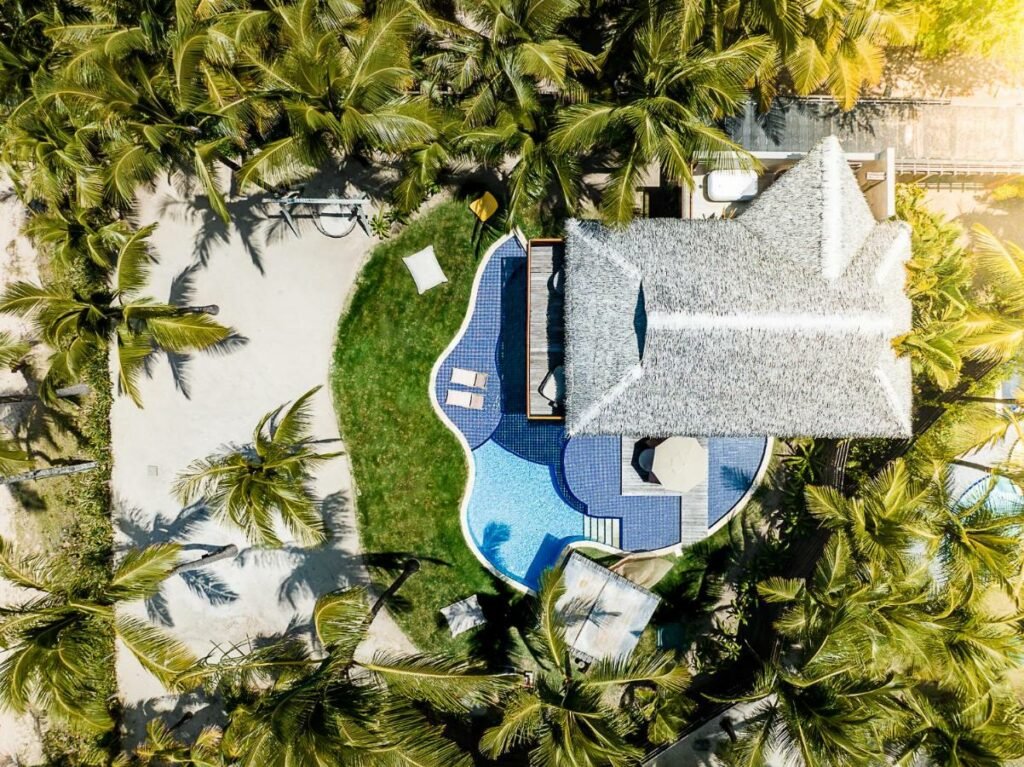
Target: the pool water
pixel 517 519
pixel 1004 498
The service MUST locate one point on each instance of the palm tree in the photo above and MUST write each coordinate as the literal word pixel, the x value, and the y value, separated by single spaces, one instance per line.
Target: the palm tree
pixel 161 86
pixel 161 748
pixel 59 640
pixel 979 545
pixel 75 325
pixel 511 67
pixel 331 708
pixel 569 717
pixel 12 351
pixel 330 83
pixel 253 485
pixel 846 634
pixel 886 523
pixel 954 731
pixel 661 106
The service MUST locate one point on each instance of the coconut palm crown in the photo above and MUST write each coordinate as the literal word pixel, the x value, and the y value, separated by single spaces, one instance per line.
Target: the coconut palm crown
pixel 330 708
pixel 74 325
pixel 252 486
pixel 587 718
pixel 59 639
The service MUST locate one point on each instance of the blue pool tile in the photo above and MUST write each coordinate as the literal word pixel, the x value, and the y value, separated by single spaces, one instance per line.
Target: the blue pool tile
pixel 733 464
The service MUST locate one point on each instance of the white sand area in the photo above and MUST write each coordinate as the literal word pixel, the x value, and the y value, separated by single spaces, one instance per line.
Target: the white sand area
pixel 288 315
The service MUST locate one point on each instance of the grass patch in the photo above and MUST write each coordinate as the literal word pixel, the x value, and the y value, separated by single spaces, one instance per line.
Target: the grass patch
pixel 410 470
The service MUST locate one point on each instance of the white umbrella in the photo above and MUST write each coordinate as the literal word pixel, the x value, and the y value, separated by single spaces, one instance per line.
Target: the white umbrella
pixel 680 463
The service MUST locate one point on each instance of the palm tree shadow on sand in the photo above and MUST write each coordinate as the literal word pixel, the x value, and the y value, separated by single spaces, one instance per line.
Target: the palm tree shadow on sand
pixel 182 293
pixel 141 530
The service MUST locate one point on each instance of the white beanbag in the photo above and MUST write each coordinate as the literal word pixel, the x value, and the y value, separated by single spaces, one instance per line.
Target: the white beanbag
pixel 425 270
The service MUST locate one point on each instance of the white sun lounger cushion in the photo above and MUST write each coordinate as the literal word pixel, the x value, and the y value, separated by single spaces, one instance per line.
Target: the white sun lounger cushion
pixel 463 616
pixel 466 399
pixel 464 377
pixel 425 270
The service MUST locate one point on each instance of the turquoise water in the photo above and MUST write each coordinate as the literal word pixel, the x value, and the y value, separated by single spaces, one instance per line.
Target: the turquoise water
pixel 1005 497
pixel 516 517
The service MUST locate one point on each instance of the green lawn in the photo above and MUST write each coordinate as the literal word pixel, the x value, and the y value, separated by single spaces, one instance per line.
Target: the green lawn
pixel 409 469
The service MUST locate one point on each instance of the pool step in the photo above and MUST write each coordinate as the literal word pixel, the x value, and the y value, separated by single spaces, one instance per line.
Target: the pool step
pixel 604 530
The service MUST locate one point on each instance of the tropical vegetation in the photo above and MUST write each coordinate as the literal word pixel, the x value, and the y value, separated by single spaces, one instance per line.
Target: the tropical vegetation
pixel 567 716
pixel 58 641
pixel 334 708
pixel 892 634
pixel 252 486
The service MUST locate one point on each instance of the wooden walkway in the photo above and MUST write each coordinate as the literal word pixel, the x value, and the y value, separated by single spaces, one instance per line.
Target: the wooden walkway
pixel 930 137
pixel 546 326
pixel 693 505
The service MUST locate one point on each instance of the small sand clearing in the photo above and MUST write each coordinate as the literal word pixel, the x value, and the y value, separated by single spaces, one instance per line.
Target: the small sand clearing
pixel 284 294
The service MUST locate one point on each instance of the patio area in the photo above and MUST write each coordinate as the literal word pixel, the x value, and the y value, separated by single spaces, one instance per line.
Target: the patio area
pixel 533 490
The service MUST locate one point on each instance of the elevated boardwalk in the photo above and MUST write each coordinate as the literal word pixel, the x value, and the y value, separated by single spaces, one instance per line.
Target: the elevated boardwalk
pixel 930 136
pixel 546 333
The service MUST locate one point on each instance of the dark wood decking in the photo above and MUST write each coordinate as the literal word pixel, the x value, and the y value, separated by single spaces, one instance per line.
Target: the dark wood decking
pixel 546 326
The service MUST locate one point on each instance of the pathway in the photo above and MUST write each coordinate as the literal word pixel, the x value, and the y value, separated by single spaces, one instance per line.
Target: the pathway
pixel 284 295
pixel 929 136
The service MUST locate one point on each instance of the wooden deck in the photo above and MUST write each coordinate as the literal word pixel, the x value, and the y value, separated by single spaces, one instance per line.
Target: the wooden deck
pixel 693 505
pixel 546 336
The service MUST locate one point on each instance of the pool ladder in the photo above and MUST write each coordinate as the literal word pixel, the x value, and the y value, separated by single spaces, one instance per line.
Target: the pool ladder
pixel 604 530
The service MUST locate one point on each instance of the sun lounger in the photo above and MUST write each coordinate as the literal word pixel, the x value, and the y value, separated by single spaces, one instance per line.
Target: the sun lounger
pixel 471 378
pixel 468 400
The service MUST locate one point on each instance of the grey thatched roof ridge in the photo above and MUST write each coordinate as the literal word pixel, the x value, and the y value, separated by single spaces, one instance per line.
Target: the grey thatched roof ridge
pixel 742 331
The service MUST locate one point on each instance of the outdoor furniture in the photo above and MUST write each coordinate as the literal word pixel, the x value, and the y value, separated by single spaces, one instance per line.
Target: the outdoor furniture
pixel 335 220
pixel 553 386
pixel 464 615
pixel 484 206
pixel 466 399
pixel 558 282
pixel 425 270
pixel 470 378
pixel 680 463
pixel 731 185
pixel 646 459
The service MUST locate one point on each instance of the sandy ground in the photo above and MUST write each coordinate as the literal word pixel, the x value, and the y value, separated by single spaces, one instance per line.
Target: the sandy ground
pixel 284 296
pixel 19 734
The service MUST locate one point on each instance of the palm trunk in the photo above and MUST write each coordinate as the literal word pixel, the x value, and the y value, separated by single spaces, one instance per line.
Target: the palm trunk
pixel 78 390
pixel 53 471
pixel 993 400
pixel 411 566
pixel 208 309
pixel 209 558
pixel 972 465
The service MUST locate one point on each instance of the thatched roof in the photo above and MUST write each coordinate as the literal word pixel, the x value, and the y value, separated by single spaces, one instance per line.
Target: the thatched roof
pixel 778 322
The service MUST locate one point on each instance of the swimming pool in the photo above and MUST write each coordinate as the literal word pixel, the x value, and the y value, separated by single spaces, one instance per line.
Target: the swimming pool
pixel 533 490
pixel 517 519
pixel 1004 498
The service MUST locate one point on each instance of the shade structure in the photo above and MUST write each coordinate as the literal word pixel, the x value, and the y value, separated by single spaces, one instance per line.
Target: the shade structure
pixel 680 463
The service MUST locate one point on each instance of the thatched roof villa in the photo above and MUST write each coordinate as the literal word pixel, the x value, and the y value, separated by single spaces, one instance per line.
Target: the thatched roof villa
pixel 778 322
